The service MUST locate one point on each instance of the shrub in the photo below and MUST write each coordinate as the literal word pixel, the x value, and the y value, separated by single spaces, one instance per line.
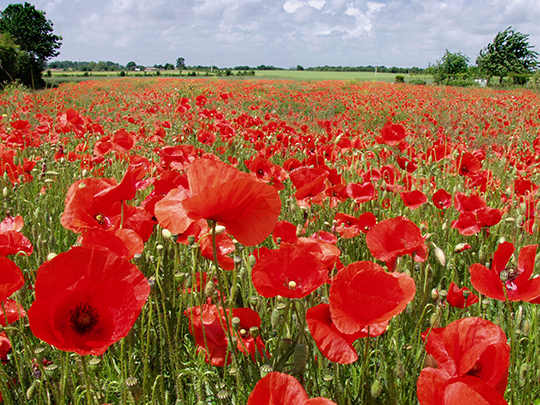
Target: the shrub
pixel 400 79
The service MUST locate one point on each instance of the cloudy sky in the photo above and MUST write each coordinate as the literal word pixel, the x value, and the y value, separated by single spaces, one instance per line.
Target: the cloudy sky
pixel 283 33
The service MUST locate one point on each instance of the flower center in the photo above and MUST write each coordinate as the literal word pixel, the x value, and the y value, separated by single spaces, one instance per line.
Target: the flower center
pixel 100 218
pixel 83 319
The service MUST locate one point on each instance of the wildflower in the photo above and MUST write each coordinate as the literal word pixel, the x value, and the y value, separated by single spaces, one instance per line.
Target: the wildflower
pixel 86 299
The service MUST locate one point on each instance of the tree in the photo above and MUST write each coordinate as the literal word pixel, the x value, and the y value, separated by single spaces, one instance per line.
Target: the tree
pixel 509 53
pixel 33 34
pixel 450 66
pixel 131 65
pixel 180 63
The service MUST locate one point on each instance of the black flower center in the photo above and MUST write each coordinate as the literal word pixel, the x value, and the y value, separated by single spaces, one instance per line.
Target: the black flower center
pixel 83 319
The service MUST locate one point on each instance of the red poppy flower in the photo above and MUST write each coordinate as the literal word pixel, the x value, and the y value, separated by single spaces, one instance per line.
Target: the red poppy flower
pixel 206 325
pixel 456 298
pixel 290 271
pixel 286 231
pixel 83 211
pixel 247 342
pixel 468 164
pixel 86 299
pixel 246 207
pixel 464 203
pixel 363 293
pixel 12 241
pixel 334 345
pixel 361 192
pixel 282 389
pixel 488 217
pixel 413 199
pixel 442 199
pixel 466 224
pixel 5 348
pixel 391 134
pixel 308 181
pixel 11 278
pixel 517 282
pixel 349 226
pixel 10 311
pixel 472 358
pixel 125 243
pixel 396 237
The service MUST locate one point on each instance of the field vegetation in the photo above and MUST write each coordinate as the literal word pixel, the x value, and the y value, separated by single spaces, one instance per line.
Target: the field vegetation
pixel 211 241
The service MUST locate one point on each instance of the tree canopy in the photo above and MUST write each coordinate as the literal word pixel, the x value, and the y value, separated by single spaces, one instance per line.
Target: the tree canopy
pixel 450 66
pixel 509 53
pixel 30 34
pixel 31 30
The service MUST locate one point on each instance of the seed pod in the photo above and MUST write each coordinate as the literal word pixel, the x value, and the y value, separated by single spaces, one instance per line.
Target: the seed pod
pixel 299 357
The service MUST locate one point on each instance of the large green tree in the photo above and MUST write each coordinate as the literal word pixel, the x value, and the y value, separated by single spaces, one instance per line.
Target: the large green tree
pixel 451 66
pixel 509 53
pixel 32 32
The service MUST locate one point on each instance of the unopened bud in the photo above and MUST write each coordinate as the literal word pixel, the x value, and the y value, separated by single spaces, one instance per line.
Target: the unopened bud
pixel 376 389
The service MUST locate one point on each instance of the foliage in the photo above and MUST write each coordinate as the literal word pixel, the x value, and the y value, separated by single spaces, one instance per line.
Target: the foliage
pixel 33 33
pixel 449 67
pixel 509 53
pixel 180 63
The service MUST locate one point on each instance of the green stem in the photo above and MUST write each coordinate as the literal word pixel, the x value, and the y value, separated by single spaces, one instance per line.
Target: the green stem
pixel 88 389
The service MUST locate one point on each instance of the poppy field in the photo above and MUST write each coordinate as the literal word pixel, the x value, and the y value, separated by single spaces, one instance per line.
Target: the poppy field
pixel 169 241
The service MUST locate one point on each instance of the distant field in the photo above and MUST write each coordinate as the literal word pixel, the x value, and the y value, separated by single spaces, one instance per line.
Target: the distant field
pixel 58 77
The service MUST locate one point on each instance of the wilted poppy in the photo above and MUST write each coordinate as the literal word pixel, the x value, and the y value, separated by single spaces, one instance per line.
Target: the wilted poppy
pixel 472 357
pixel 362 294
pixel 282 389
pixel 396 237
pixel 86 299
pixel 290 271
pixel 505 280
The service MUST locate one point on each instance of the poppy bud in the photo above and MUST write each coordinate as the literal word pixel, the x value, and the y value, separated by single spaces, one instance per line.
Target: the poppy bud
pixel 266 369
pixel 439 254
pixel 485 303
pixel 219 229
pixel 5 191
pixel 399 371
pixel 276 318
pixel 434 294
pixel 299 230
pixel 482 256
pixel 159 247
pixel 299 357
pixel 278 240
pixel 166 233
pixel 523 373
pixel 252 260
pixel 52 371
pixel 376 389
pixel 210 289
pixel 526 328
pixel 510 219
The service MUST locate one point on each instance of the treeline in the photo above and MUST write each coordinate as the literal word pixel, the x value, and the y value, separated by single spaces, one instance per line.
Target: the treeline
pixel 103 66
pixel 380 69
